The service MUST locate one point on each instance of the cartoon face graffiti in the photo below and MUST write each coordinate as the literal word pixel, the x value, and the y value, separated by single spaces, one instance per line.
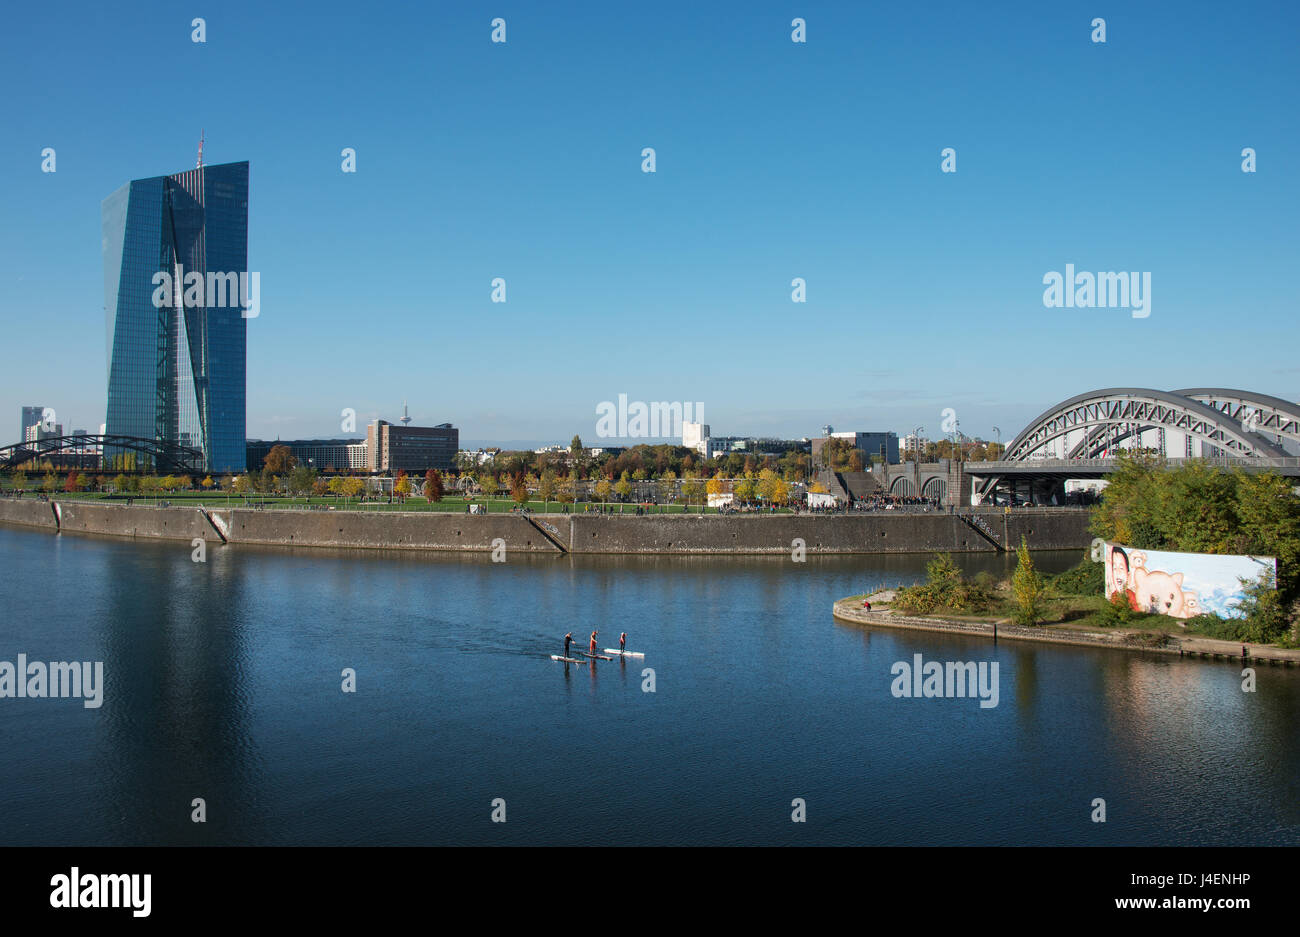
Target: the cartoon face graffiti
pixel 1161 593
pixel 1119 571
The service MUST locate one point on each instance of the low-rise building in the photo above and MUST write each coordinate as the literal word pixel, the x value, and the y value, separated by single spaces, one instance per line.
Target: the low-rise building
pixel 871 444
pixel 324 455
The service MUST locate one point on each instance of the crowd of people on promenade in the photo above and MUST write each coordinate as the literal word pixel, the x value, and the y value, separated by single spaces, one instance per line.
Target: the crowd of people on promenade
pixel 747 507
pixel 874 503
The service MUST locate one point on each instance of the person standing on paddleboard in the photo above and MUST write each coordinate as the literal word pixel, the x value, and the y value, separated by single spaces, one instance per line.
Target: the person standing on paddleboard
pixel 593 643
pixel 622 642
pixel 568 639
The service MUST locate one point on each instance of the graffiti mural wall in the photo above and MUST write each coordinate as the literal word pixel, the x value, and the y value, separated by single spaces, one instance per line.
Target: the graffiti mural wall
pixel 1182 584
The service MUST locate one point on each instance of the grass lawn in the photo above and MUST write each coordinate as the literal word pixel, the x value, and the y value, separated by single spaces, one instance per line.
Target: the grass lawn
pixel 1068 612
pixel 450 503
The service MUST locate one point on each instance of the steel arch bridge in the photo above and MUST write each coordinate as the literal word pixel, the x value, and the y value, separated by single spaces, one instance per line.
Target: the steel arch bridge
pixel 1106 418
pixel 1258 412
pixel 162 456
pixel 1079 437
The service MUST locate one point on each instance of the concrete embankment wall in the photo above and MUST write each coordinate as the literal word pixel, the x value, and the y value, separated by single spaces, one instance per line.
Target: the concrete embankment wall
pixel 555 533
pixel 864 533
pixel 28 513
pixel 1044 528
pixel 850 610
pixel 357 529
pixel 154 523
pixel 388 529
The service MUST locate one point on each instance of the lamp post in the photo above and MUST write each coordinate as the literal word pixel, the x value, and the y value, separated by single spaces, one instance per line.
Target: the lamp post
pixel 955 497
pixel 916 459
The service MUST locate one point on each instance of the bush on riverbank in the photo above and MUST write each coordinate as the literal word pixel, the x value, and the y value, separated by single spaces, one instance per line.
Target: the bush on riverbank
pixel 1073 598
pixel 1028 587
pixel 1088 578
pixel 945 588
pixel 1263 621
pixel 1199 508
pixel 1116 612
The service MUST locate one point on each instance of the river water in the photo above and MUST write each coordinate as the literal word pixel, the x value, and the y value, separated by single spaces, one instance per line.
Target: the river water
pixel 223 681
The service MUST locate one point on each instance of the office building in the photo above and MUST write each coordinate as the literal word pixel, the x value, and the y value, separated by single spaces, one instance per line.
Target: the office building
pixel 177 353
pixel 695 436
pixel 31 417
pixel 323 455
pixel 392 448
pixel 39 431
pixel 883 446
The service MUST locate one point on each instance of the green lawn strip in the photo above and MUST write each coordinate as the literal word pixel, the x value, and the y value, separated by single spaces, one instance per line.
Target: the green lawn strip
pixel 216 499
pixel 1065 613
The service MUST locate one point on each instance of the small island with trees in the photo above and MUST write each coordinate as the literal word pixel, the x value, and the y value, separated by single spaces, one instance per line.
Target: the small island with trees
pixel 1194 508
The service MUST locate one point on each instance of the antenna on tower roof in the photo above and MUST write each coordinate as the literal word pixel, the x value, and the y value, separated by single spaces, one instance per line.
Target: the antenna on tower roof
pixel 406 415
pixel 200 163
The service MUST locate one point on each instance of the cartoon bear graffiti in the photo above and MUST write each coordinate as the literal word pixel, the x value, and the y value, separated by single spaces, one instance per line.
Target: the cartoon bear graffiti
pixel 1162 593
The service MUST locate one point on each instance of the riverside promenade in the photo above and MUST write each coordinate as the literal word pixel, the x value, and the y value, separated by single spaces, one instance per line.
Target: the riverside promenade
pixel 850 610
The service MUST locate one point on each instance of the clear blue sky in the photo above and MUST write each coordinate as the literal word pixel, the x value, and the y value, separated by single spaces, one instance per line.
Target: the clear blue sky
pixel 775 160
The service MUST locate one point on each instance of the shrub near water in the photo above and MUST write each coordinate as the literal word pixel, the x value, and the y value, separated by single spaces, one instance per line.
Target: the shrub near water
pixel 1028 587
pixel 1263 620
pixel 1117 611
pixel 1088 578
pixel 944 588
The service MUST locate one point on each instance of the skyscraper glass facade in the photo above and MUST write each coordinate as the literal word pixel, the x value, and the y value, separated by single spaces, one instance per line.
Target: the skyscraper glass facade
pixel 177 363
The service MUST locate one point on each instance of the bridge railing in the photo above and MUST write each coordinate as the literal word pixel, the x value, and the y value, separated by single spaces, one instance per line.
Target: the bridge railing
pixel 990 468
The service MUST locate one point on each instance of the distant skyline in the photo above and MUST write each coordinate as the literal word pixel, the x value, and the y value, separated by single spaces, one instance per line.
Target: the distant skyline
pixel 774 160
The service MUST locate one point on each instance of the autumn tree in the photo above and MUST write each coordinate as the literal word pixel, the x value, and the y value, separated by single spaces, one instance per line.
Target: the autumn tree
pixel 623 487
pixel 432 486
pixel 1028 587
pixel 667 486
pixel 546 486
pixel 301 479
pixel 280 460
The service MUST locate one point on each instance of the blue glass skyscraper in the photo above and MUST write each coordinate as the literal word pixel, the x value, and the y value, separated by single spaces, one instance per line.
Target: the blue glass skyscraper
pixel 177 360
